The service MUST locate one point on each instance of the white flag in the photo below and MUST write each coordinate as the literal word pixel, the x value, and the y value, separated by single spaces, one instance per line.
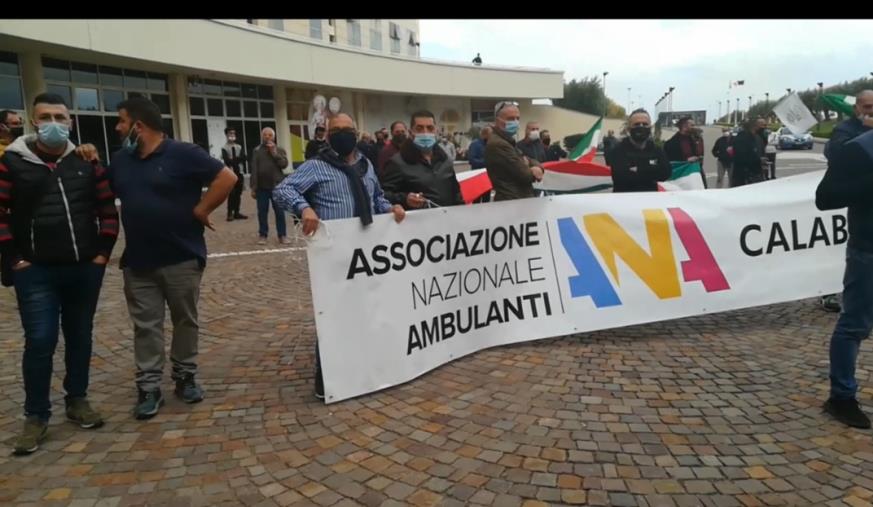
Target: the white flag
pixel 794 114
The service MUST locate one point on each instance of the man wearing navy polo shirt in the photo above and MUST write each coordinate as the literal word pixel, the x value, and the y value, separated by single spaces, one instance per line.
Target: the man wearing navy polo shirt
pixel 159 182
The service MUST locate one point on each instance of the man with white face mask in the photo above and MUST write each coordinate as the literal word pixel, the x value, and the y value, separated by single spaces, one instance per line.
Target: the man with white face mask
pixel 58 225
pixel 532 146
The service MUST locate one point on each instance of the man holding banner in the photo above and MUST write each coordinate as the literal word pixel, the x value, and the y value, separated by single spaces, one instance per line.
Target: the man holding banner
pixel 848 182
pixel 338 183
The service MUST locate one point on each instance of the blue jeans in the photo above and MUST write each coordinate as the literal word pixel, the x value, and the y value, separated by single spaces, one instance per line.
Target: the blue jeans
pixel 265 198
pixel 854 324
pixel 47 294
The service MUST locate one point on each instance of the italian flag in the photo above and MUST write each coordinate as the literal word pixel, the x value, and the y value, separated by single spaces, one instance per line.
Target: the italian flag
pixel 587 147
pixel 842 103
pixel 686 176
pixel 574 177
pixel 474 184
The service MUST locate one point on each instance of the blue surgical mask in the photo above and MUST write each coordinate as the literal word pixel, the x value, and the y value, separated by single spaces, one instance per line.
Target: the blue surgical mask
pixel 511 127
pixel 424 141
pixel 53 134
pixel 130 145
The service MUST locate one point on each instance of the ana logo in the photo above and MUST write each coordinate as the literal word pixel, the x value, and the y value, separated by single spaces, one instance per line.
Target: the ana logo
pixel 656 268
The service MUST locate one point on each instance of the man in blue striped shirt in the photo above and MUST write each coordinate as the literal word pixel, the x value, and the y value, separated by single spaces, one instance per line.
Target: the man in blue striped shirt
pixel 337 183
pixel 319 191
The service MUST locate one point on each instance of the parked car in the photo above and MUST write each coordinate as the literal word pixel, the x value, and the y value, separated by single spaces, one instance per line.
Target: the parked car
pixel 789 140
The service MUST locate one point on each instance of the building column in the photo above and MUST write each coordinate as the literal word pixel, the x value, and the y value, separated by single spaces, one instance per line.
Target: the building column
pixel 179 107
pixel 33 81
pixel 283 128
pixel 358 111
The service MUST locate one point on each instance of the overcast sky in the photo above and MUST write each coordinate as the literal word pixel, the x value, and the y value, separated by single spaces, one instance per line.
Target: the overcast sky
pixel 699 58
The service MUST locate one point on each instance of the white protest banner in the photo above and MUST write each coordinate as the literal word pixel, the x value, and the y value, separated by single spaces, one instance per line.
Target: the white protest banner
pixel 394 301
pixel 794 114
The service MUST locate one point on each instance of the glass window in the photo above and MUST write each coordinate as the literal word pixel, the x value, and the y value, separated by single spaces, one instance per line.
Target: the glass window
pixel 111 99
pixel 232 89
pixel 315 29
pixel 84 73
pixel 168 127
pixel 200 134
pixel 253 136
pixel 10 93
pixel 195 86
pixel 297 111
pixel 354 32
pixel 376 35
pixel 109 122
pixel 134 79
pixel 162 101
pixel 157 82
pixel 131 95
pixel 265 92
pixel 215 107
pixel 56 70
pixel 86 99
pixel 111 76
pixel 250 109
pixel 91 131
pixel 249 91
pixel 63 91
pixel 276 24
pixel 212 87
pixel 8 64
pixel 233 108
pixel 198 108
pixel 266 109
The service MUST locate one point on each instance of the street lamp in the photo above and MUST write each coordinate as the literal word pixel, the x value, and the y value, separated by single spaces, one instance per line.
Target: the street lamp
pixel 737 112
pixel 629 101
pixel 788 90
pixel 606 100
pixel 750 103
pixel 767 107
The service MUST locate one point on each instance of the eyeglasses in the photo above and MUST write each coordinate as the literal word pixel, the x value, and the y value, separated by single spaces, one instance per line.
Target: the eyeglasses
pixel 502 104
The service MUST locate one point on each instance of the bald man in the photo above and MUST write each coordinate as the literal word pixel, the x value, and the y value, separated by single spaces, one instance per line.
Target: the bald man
pixel 268 161
pixel 335 184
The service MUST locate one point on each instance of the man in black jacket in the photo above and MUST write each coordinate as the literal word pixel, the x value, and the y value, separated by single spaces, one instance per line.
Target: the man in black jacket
pixel 315 145
pixel 553 151
pixel 58 225
pixel 848 182
pixel 637 163
pixel 749 155
pixel 686 145
pixel 722 152
pixel 234 157
pixel 421 174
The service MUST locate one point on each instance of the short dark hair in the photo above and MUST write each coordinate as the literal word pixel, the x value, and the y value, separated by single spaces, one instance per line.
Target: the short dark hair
pixel 391 130
pixel 683 121
pixel 48 98
pixel 639 111
pixel 144 110
pixel 319 129
pixel 228 130
pixel 4 115
pixel 422 113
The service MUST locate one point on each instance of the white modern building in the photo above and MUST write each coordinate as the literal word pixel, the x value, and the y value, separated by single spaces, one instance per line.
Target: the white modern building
pixel 209 74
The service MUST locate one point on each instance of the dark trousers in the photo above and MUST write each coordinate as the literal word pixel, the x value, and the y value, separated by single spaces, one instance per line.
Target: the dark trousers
pixel 235 198
pixel 47 294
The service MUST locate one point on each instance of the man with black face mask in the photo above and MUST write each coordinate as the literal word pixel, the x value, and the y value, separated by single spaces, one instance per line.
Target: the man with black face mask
pixel 749 154
pixel 553 151
pixel 637 163
pixel 338 183
pixel 398 136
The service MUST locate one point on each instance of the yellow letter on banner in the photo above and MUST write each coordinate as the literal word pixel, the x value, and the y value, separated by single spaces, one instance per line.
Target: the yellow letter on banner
pixel 657 270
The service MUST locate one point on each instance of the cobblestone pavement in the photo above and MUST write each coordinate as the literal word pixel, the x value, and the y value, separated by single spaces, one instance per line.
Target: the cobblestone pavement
pixel 719 410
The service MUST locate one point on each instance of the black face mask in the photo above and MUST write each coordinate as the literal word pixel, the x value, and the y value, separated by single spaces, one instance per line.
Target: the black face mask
pixel 398 140
pixel 16 132
pixel 547 141
pixel 343 142
pixel 640 134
